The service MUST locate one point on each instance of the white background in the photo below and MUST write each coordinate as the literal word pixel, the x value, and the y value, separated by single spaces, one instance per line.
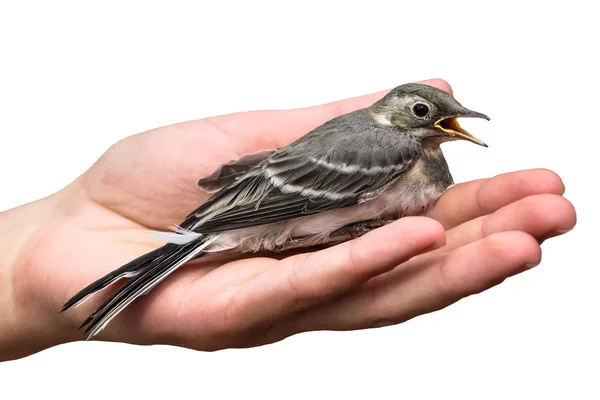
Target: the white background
pixel 76 78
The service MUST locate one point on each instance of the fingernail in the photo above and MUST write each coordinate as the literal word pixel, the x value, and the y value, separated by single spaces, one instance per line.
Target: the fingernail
pixel 530 266
pixel 563 231
pixel 554 233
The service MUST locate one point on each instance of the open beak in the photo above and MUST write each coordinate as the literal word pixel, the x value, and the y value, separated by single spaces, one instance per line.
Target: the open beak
pixel 451 127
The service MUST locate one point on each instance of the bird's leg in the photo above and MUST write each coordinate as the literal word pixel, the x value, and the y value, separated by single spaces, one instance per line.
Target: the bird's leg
pixel 343 234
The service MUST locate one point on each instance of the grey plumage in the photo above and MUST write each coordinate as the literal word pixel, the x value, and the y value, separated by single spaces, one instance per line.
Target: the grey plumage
pixel 375 164
pixel 324 170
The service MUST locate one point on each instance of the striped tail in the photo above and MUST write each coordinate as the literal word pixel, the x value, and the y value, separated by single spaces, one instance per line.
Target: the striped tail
pixel 145 272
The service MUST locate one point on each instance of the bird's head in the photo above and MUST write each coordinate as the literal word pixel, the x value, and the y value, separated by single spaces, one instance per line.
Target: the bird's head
pixel 426 112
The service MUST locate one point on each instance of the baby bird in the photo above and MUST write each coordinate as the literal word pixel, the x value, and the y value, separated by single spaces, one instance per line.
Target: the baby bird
pixel 346 177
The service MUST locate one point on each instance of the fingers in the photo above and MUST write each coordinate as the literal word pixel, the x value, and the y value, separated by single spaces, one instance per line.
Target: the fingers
pixel 470 200
pixel 491 261
pixel 303 280
pixel 542 216
pixel 423 288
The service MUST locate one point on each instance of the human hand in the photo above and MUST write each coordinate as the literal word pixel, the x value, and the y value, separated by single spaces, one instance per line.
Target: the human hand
pixel 58 245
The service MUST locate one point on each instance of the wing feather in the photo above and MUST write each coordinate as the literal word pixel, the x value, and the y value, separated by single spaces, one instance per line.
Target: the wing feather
pixel 307 177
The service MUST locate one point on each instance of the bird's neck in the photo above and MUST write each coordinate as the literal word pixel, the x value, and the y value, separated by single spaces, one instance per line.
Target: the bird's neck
pixel 436 167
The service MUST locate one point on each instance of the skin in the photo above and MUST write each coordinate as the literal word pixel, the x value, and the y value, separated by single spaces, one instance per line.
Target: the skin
pixel 477 235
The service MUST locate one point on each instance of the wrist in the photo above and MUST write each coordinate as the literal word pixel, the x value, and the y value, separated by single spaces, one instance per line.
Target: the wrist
pixel 26 326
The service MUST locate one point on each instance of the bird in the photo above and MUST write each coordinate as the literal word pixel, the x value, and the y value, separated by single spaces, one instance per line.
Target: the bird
pixel 348 176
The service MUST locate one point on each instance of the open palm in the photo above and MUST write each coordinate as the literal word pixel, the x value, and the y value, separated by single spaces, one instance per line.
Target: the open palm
pixel 488 230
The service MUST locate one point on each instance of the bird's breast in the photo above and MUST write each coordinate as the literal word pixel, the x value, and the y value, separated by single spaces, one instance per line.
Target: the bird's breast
pixel 418 188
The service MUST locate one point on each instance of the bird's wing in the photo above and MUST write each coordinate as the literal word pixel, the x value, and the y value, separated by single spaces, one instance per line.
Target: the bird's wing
pixel 227 173
pixel 298 180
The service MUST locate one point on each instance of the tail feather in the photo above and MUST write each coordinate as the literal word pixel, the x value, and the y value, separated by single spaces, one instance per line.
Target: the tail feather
pixel 150 270
pixel 128 270
pixel 168 251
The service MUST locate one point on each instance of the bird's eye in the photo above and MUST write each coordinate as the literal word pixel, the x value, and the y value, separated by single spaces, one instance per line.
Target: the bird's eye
pixel 420 110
